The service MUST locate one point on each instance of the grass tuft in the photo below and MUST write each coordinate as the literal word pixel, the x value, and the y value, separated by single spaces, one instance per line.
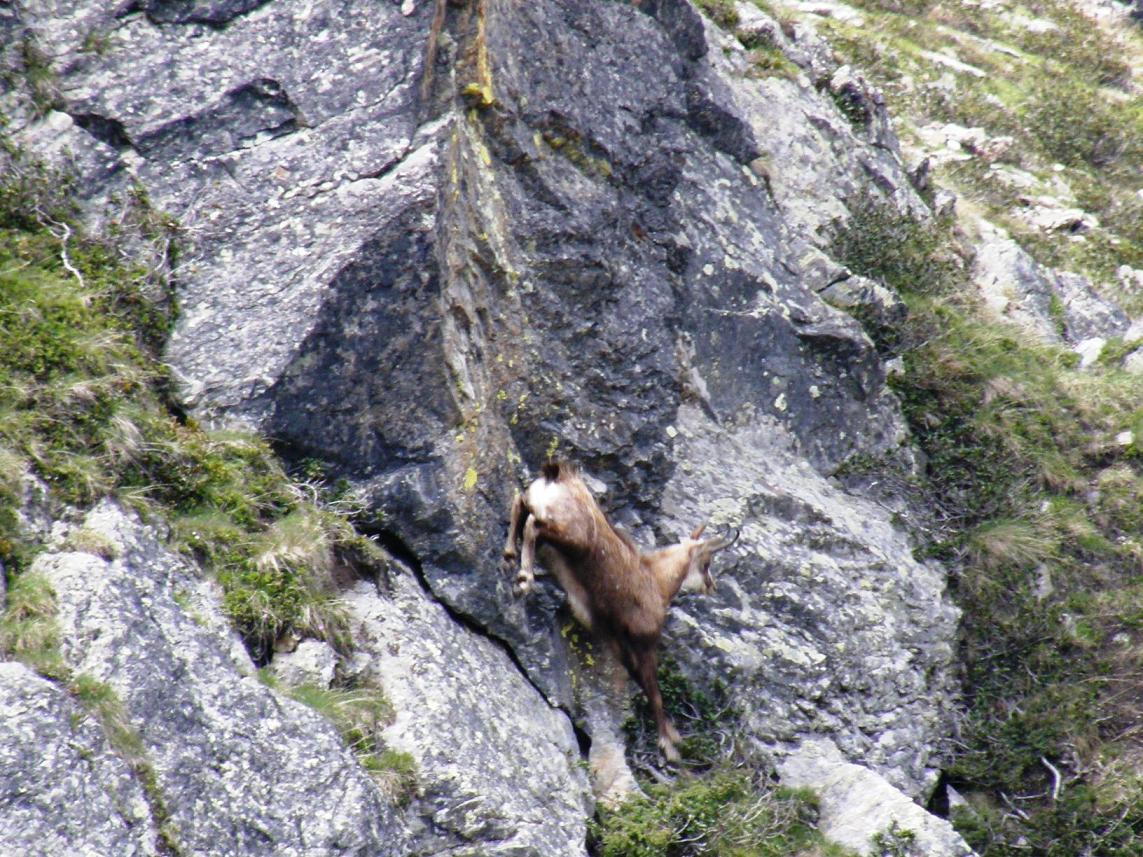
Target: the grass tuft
pixel 359 714
pixel 723 813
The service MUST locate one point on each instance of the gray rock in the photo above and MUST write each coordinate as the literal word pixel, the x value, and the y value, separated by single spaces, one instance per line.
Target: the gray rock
pixel 498 768
pixel 822 622
pixel 1054 305
pixel 63 788
pixel 877 303
pixel 312 662
pixel 239 769
pixel 857 805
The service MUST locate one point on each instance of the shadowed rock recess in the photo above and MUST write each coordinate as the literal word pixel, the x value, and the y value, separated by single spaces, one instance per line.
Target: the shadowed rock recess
pixel 429 244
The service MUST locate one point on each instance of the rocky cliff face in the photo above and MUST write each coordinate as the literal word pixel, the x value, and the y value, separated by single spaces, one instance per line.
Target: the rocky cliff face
pixel 430 245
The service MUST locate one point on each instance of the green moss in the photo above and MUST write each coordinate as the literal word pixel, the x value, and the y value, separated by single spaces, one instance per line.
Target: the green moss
pixel 722 12
pixel 722 814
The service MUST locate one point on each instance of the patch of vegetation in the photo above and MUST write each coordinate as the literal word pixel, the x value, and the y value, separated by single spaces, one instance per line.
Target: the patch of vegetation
pixel 35 70
pixel 850 105
pixel 85 406
pixel 359 714
pixel 706 719
pixel 722 12
pixel 28 630
pixel 722 803
pixel 723 814
pixel 895 841
pixel 1036 504
pixel 1073 123
pixel 904 254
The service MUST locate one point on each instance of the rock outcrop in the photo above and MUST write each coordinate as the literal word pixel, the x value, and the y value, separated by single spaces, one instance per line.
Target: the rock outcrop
pixel 53 757
pixel 1055 306
pixel 495 763
pixel 237 769
pixel 858 807
pixel 431 244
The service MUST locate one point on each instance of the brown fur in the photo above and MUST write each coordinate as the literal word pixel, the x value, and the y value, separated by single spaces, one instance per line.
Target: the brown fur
pixel 614 589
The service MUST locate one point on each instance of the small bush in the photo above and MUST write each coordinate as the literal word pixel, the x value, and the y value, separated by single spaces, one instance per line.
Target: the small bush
pixel 902 252
pixel 1075 125
pixel 722 814
pixel 722 12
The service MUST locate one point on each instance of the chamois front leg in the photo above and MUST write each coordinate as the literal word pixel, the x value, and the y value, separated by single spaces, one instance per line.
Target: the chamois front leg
pixel 515 531
pixel 526 576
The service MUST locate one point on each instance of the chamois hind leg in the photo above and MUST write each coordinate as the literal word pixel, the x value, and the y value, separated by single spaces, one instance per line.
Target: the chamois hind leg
pixel 643 664
pixel 526 576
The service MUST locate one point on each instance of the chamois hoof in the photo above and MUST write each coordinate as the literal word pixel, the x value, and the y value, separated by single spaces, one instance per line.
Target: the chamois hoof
pixel 509 564
pixel 523 585
pixel 669 750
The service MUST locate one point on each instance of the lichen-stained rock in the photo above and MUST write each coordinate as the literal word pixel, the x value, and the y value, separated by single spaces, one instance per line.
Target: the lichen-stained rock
pixel 271 139
pixel 63 788
pixel 497 767
pixel 240 769
pixel 822 623
pixel 1056 306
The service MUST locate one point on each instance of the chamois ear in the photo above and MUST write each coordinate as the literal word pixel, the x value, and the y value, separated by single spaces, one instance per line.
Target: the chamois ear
pixel 698 531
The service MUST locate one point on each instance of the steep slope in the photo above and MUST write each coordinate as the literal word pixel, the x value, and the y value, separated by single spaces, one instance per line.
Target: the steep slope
pixel 422 247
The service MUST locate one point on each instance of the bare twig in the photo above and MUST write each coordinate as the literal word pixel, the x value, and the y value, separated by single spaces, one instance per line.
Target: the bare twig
pixel 63 236
pixel 1019 813
pixel 1057 781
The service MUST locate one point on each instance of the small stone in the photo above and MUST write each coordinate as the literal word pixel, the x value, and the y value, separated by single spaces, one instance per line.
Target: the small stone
pixel 313 662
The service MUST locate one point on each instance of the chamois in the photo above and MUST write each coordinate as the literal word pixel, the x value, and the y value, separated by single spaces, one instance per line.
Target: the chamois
pixel 613 589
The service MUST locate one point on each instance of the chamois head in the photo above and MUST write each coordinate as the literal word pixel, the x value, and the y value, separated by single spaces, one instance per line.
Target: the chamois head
pixel 702 551
pixel 685 567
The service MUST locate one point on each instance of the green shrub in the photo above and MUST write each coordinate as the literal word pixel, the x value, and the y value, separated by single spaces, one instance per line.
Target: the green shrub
pixel 1075 125
pixel 722 814
pixel 722 12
